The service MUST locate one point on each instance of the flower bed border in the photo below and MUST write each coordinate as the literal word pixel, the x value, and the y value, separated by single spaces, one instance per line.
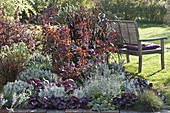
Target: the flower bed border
pixel 56 111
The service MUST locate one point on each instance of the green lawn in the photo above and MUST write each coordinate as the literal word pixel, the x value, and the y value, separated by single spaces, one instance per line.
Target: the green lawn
pixel 151 69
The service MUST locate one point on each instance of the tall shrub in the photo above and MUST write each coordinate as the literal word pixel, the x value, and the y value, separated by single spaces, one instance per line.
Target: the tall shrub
pixel 84 42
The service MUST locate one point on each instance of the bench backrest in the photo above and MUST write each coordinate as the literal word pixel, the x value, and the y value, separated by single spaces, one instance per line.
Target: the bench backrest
pixel 127 30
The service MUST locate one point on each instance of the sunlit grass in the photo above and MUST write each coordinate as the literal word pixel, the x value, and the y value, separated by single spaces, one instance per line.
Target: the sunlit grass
pixel 151 64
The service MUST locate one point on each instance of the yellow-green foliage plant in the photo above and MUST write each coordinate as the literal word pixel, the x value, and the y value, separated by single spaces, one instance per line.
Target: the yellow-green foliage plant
pixel 148 101
pixel 12 60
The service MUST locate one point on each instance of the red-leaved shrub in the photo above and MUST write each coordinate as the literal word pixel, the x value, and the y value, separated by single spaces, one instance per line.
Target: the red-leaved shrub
pixel 85 41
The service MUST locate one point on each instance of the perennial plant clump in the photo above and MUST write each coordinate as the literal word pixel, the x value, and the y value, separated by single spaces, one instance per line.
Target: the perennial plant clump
pixel 12 60
pixel 102 86
pixel 59 95
pixel 35 73
pixel 136 85
pixel 37 60
pixel 18 89
pixel 148 101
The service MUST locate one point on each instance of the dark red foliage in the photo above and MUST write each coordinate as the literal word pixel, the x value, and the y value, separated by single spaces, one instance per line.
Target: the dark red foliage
pixel 69 85
pixel 49 15
pixel 60 103
pixel 13 31
pixel 125 100
pixel 76 47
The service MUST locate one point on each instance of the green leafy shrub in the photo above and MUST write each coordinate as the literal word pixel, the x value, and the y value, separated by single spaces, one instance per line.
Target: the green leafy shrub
pixel 39 61
pixel 17 88
pixel 13 60
pixel 148 101
pixel 35 73
pixel 22 6
pixel 140 10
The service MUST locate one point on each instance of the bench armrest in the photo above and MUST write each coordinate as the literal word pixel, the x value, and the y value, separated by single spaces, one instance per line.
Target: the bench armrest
pixel 152 39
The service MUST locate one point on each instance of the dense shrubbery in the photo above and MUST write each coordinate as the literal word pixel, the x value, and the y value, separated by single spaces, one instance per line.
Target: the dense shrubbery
pixel 76 75
pixel 74 49
pixel 145 11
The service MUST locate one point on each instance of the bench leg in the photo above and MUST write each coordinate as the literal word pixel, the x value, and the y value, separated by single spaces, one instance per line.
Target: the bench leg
pixel 127 58
pixel 140 64
pixel 162 61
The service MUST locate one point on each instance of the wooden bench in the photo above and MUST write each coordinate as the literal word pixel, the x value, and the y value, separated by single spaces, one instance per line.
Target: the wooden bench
pixel 129 42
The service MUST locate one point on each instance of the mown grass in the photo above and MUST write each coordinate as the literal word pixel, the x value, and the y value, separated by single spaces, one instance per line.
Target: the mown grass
pixel 151 65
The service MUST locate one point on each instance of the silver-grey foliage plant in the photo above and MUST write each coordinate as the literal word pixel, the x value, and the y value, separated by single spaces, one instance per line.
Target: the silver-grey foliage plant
pixel 52 90
pixel 18 87
pixel 34 73
pixel 37 60
pixel 104 81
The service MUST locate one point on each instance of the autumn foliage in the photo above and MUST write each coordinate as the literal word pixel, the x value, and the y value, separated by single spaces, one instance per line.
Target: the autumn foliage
pixel 84 41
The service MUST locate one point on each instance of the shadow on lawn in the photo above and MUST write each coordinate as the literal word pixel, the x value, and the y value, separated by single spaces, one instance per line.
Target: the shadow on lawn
pixel 138 74
pixel 154 73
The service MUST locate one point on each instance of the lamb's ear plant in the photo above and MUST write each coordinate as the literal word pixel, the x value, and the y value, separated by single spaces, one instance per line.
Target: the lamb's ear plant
pixel 52 90
pixel 18 100
pixel 148 101
pixel 35 73
pixel 19 89
pixel 79 93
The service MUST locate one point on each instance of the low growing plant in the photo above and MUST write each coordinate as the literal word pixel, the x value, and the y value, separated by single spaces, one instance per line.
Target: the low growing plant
pixel 102 86
pixel 58 95
pixel 148 101
pixel 18 100
pixel 136 85
pixel 52 90
pixel 101 102
pixel 3 101
pixel 35 73
pixel 103 80
pixel 17 89
pixel 60 103
pixel 106 85
pixel 124 100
